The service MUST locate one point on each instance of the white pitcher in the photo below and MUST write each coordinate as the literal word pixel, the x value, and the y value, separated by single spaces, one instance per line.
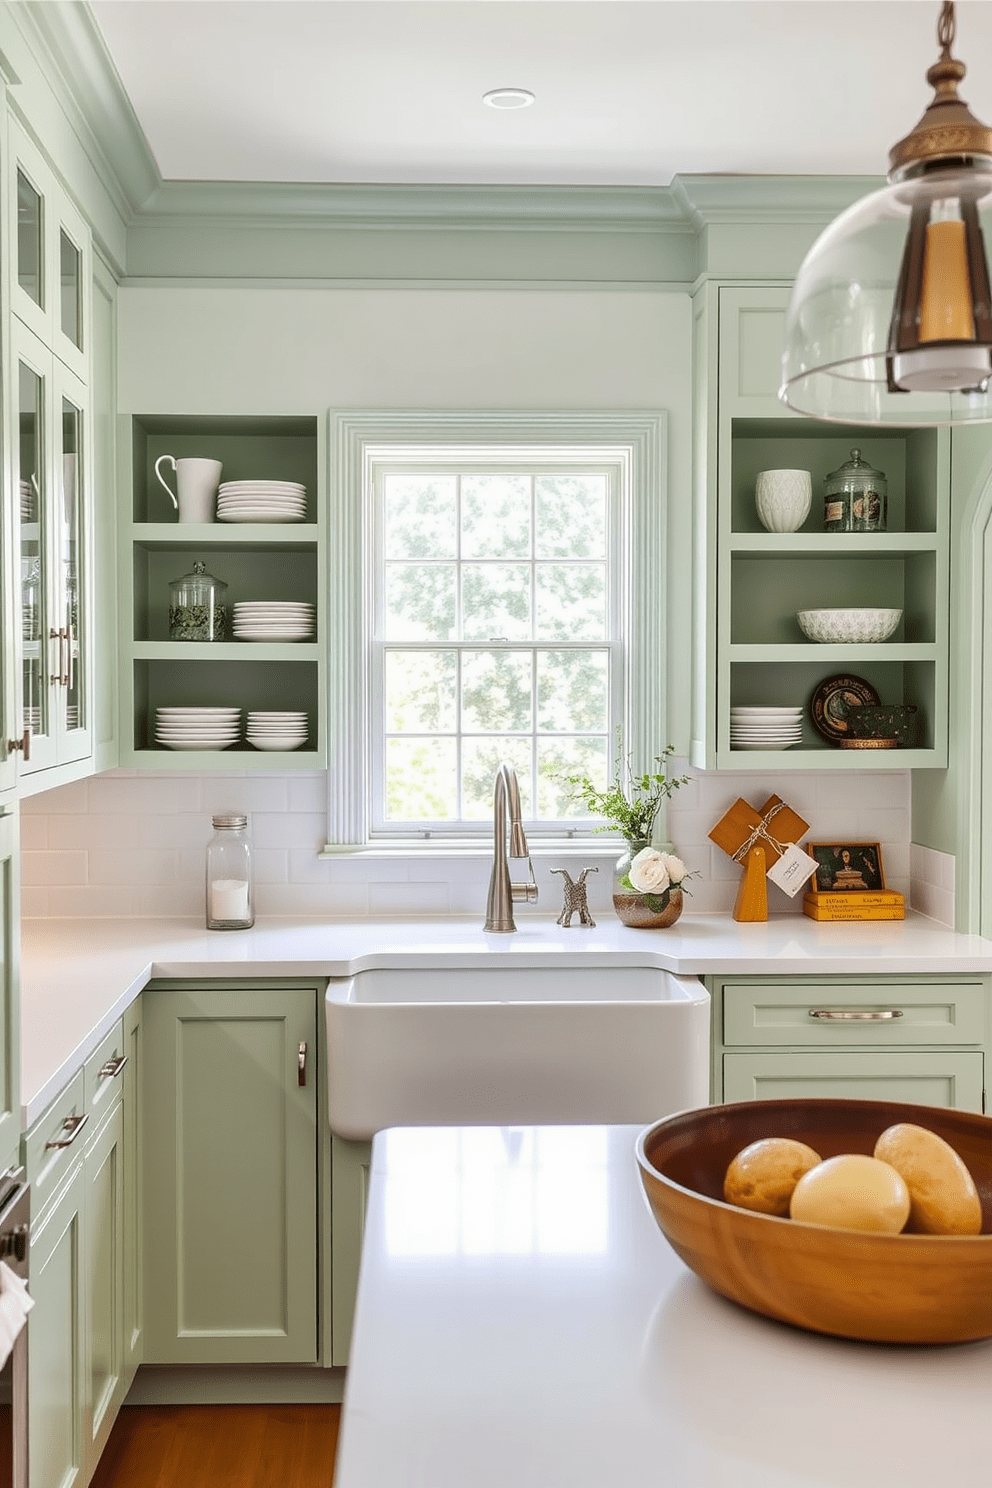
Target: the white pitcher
pixel 196 484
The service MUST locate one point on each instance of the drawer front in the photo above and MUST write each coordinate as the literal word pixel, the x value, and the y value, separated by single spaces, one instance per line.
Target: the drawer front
pixel 901 1011
pixel 104 1073
pixel 926 1079
pixel 64 1123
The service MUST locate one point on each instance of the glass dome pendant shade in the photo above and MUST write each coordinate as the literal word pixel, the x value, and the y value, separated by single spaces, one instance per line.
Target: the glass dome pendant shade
pixel 890 320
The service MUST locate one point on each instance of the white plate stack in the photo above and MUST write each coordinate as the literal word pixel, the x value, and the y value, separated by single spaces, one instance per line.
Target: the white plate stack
pixel 197 728
pixel 261 501
pixel 765 728
pixel 277 730
pixel 27 501
pixel 275 620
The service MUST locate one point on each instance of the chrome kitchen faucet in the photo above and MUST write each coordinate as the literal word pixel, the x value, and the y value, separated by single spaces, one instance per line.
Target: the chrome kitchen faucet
pixel 502 892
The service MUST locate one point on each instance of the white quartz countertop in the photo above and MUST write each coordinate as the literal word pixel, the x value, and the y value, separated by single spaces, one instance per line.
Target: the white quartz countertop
pixel 78 976
pixel 522 1321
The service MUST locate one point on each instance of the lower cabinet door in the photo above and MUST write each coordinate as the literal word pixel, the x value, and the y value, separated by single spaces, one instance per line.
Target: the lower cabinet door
pixel 931 1079
pixel 104 1272
pixel 349 1195
pixel 56 1372
pixel 230 1161
pixel 133 1180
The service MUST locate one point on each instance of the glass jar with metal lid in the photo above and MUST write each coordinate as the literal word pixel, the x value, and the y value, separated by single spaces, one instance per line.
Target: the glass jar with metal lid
pixel 198 607
pixel 855 497
pixel 230 903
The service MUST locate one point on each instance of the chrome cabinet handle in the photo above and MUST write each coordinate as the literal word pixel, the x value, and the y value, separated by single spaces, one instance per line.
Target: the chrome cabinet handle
pixel 72 1126
pixel 24 742
pixel 112 1068
pixel 850 1016
pixel 301 1065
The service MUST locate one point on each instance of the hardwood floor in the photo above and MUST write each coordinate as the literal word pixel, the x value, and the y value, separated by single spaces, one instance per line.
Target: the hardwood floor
pixel 221 1446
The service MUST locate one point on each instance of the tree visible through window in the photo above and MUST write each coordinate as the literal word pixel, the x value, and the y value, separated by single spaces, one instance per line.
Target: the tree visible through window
pixel 496 637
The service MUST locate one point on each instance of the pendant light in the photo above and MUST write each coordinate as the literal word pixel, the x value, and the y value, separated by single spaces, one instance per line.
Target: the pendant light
pixel 890 320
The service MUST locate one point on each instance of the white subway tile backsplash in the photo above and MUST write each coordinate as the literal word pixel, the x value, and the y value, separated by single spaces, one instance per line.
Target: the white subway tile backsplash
pixel 48 868
pixel 271 866
pixel 34 902
pixel 164 901
pixel 34 833
pixel 102 901
pixel 66 800
pixel 303 830
pixel 336 901
pixel 138 866
pixel 307 793
pixel 155 796
pixel 400 897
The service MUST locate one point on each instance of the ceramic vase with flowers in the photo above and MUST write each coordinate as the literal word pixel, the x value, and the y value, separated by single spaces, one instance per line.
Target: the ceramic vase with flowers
pixel 649 881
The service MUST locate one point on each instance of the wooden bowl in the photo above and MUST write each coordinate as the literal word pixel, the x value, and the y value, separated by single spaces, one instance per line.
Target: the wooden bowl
pixel 885 1288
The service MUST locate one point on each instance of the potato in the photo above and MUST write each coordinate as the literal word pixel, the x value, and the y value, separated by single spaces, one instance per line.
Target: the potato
pixel 942 1195
pixel 763 1175
pixel 852 1192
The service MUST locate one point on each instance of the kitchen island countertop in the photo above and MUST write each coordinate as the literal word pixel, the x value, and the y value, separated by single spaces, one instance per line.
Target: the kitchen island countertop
pixel 521 1320
pixel 78 976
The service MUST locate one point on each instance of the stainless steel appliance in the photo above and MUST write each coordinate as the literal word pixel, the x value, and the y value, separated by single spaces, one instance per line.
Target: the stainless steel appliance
pixel 15 1217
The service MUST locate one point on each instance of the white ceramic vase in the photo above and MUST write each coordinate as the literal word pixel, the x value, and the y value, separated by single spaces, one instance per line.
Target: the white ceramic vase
pixel 783 499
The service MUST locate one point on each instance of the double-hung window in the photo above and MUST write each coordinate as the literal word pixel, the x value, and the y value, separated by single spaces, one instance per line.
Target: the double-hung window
pixel 491 592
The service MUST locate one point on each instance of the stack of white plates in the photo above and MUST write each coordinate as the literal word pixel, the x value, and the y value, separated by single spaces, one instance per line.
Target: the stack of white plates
pixel 27 501
pixel 261 501
pixel 32 719
pixel 275 620
pixel 277 730
pixel 197 728
pixel 765 728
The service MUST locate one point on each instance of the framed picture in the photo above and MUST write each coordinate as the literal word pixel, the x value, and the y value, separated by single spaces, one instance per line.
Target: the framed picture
pixel 847 867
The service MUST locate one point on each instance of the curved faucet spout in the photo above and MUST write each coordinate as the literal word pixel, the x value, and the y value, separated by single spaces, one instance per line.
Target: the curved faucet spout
pixel 502 892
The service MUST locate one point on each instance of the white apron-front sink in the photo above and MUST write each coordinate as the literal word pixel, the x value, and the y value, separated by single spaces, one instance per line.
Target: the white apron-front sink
pixel 435 1045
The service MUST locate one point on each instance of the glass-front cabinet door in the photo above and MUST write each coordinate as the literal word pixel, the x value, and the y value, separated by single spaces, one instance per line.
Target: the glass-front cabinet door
pixel 52 476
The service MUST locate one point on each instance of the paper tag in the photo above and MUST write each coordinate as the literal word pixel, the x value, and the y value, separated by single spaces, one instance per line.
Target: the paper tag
pixel 792 870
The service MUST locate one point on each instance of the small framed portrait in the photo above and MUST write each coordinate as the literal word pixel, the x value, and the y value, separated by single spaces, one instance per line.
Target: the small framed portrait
pixel 847 868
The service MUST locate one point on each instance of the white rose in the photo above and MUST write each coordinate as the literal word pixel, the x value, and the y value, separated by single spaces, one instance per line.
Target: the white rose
pixel 647 871
pixel 674 867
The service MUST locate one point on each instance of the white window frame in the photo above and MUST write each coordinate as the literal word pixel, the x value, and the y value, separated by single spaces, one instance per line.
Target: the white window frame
pixel 634 444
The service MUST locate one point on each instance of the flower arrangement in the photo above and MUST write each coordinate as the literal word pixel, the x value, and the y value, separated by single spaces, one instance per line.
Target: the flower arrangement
pixel 654 874
pixel 631 802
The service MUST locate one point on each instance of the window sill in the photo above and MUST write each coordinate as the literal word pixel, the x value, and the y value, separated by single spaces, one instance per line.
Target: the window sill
pixel 475 847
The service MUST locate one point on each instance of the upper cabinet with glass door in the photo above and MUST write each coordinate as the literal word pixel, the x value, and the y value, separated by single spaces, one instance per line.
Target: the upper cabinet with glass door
pixel 51 472
pixel 50 255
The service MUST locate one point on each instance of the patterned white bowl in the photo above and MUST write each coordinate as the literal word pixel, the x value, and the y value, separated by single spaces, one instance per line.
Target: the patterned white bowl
pixel 848 627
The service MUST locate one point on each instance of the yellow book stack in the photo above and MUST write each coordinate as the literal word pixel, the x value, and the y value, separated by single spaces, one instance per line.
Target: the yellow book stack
pixel 883 904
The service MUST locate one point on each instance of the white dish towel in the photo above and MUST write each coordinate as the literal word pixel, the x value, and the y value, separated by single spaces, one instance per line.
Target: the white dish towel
pixel 15 1304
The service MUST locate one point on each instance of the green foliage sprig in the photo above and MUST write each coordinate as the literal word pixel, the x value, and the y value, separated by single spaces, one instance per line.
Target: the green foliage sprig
pixel 631 802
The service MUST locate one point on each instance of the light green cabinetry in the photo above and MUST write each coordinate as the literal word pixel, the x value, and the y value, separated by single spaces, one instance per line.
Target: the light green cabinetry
pixel 56 1367
pixel 104 1280
pixel 133 1182
pixel 10 1113
pixel 350 1163
pixel 750 583
pixel 911 1038
pixel 230 1156
pixel 258 561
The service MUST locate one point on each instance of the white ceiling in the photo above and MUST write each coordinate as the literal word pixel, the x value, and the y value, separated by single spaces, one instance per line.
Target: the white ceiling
pixel 629 92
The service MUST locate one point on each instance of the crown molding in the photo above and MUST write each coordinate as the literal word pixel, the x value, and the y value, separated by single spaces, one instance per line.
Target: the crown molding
pixel 702 200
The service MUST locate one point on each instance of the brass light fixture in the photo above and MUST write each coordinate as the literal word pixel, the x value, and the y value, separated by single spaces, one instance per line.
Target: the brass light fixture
pixel 890 320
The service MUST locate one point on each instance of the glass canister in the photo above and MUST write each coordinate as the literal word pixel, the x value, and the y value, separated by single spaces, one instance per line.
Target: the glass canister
pixel 230 896
pixel 198 607
pixel 855 497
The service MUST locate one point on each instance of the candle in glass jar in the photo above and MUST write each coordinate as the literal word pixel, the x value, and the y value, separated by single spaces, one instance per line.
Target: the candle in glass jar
pixel 229 899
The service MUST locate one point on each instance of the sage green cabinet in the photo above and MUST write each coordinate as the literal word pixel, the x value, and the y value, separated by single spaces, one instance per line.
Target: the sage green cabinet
pixel 350 1163
pixel 103 1250
pixel 56 1346
pixel 230 1154
pixel 133 1299
pixel 750 583
pixel 911 1038
pixel 10 1114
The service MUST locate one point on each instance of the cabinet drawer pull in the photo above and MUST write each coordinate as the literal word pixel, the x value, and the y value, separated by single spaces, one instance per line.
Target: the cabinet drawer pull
pixel 72 1126
pixel 112 1068
pixel 846 1015
pixel 302 1065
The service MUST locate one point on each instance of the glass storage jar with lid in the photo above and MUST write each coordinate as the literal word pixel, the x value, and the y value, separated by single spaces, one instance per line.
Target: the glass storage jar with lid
pixel 230 899
pixel 856 497
pixel 198 607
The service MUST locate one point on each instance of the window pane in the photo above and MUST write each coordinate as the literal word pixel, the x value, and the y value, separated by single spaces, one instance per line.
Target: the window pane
pixel 481 758
pixel 420 691
pixel 557 759
pixel 570 516
pixel 419 516
pixel 571 602
pixel 495 601
pixel 72 320
pixel 29 240
pixel 572 691
pixel 496 516
pixel 420 780
pixel 497 691
pixel 420 602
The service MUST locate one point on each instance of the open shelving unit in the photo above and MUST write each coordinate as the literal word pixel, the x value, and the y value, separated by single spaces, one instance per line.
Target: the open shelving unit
pixel 258 561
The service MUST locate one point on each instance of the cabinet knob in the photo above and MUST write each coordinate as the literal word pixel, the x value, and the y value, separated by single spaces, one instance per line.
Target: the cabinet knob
pixel 24 743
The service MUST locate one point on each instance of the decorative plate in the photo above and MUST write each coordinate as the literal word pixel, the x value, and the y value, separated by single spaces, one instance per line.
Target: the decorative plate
pixel 827 704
